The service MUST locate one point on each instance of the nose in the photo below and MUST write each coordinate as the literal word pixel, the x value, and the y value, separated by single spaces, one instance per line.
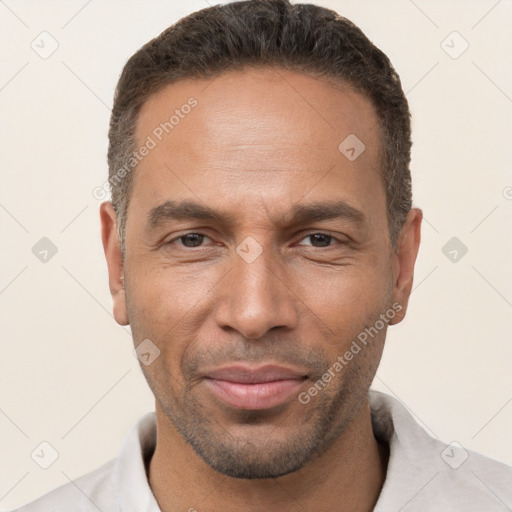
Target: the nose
pixel 257 296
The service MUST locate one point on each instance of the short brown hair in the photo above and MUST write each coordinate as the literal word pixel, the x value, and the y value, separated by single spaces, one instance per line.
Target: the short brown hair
pixel 302 37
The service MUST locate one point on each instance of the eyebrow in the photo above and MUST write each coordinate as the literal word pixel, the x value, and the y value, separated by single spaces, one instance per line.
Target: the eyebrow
pixel 299 214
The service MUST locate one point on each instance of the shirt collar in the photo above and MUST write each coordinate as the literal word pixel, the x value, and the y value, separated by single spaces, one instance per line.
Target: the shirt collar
pixel 391 423
pixel 132 489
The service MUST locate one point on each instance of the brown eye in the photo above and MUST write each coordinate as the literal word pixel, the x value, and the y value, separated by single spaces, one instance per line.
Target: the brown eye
pixel 319 240
pixel 190 240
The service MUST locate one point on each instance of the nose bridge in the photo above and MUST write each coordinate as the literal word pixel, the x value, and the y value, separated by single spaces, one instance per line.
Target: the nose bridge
pixel 256 298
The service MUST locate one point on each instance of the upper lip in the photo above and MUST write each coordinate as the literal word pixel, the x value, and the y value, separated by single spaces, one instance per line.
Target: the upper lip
pixel 247 375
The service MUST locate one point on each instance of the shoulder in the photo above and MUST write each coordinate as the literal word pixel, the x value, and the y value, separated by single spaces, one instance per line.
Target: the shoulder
pixel 91 492
pixel 425 474
pixel 119 484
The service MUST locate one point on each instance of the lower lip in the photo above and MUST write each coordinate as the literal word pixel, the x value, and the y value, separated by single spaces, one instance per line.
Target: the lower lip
pixel 254 396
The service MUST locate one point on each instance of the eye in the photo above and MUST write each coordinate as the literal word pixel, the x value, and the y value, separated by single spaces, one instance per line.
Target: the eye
pixel 320 240
pixel 189 240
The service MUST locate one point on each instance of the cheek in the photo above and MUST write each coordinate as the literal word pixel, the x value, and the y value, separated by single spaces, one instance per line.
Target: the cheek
pixel 168 305
pixel 342 310
pixel 347 297
pixel 167 294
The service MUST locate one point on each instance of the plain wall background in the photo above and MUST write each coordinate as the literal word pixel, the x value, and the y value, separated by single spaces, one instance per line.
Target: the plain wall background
pixel 67 372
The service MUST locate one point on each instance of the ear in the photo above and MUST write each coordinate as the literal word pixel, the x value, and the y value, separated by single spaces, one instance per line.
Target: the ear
pixel 115 262
pixel 404 260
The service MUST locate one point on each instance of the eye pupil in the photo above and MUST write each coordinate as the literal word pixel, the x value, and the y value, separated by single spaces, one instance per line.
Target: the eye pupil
pixel 195 238
pixel 323 239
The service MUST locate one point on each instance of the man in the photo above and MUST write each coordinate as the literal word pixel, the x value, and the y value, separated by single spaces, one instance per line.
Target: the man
pixel 260 240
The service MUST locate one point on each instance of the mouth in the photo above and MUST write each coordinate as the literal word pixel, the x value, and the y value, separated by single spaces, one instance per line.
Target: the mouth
pixel 249 388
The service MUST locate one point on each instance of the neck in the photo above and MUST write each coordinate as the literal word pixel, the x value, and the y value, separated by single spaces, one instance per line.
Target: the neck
pixel 347 477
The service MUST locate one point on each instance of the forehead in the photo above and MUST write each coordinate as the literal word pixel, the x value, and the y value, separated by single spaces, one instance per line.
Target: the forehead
pixel 259 133
pixel 259 106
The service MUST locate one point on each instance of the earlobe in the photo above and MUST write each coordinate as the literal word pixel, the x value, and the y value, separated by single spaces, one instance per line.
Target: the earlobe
pixel 404 260
pixel 115 263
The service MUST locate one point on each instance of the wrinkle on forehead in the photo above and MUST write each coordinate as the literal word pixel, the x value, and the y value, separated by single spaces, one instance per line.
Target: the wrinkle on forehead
pixel 259 109
pixel 251 141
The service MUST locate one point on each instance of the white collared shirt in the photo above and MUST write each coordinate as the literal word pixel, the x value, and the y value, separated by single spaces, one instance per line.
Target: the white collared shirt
pixel 423 475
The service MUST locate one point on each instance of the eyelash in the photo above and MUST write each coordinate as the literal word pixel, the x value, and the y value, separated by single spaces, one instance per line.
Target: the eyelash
pixel 332 238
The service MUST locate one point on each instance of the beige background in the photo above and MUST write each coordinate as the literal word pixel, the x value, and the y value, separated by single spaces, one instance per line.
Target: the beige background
pixel 67 372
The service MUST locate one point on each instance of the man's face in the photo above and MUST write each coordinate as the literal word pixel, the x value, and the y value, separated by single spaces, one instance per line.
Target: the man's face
pixel 258 285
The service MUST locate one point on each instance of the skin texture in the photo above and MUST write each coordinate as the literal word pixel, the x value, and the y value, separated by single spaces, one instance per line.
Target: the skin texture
pixel 259 142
